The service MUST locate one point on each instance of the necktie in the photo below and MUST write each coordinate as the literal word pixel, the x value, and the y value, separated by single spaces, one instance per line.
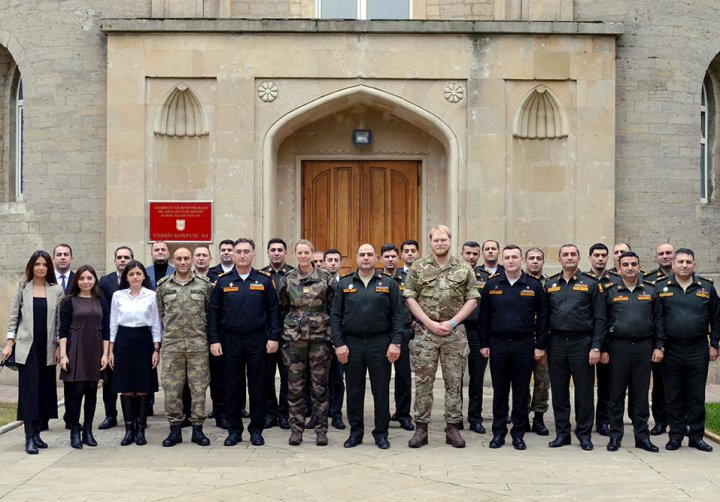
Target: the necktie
pixel 62 278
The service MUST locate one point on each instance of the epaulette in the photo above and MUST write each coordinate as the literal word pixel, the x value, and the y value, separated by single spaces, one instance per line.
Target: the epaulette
pixel 346 275
pixel 705 279
pixel 533 276
pixel 386 275
pixel 591 276
pixel 265 273
pixel 649 283
pixel 203 278
pixel 164 279
pixel 554 276
pixel 222 274
pixel 494 275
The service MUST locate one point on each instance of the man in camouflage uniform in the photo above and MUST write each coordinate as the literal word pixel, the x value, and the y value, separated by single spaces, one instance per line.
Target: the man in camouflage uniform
pixel 440 292
pixel 183 300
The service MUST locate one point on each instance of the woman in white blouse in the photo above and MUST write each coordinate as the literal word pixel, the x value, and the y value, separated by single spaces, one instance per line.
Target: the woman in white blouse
pixel 135 335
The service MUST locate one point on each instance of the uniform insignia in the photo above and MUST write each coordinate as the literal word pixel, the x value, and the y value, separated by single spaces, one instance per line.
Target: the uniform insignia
pixel 644 298
pixel 257 287
pixel 553 289
pixel 231 289
pixel 306 290
pixel 663 295
pixel 496 291
pixel 382 289
pixel 665 288
pixel 621 299
pixel 580 287
pixel 349 289
pixel 265 273
pixel 703 294
pixel 527 292
pixel 351 286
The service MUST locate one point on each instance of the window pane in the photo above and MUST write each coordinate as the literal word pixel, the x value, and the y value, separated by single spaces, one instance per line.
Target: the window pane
pixel 388 9
pixel 703 173
pixel 338 9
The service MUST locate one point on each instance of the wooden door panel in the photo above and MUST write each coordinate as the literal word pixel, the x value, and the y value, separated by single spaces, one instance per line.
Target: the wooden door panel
pixel 348 203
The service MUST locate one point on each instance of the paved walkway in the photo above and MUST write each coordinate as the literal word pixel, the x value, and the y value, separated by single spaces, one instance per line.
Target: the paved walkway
pixel 307 472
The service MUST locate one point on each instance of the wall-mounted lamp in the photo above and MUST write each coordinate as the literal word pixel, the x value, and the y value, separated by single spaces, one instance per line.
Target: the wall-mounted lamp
pixel 362 137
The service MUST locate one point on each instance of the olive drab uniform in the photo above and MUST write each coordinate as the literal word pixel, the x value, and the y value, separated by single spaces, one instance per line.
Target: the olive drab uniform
pixel 541 377
pixel 441 292
pixel 183 308
pixel 305 302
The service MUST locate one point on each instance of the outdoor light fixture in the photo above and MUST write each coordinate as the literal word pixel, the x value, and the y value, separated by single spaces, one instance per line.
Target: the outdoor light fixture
pixel 362 137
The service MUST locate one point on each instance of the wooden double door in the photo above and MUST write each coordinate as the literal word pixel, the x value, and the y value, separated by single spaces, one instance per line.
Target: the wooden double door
pixel 347 203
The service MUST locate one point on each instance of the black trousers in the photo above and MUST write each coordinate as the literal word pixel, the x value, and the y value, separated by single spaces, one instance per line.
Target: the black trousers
pixel 74 394
pixel 403 382
pixel 658 395
pixel 685 368
pixel 245 352
pixel 602 373
pixel 336 386
pixel 477 365
pixel 109 397
pixel 276 406
pixel 568 357
pixel 368 356
pixel 629 369
pixel 511 362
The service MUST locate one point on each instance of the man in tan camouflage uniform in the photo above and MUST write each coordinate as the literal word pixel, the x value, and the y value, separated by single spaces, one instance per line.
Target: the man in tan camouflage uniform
pixel 440 292
pixel 183 300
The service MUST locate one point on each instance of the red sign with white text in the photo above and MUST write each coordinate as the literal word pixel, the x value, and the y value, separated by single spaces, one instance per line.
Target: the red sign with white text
pixel 180 221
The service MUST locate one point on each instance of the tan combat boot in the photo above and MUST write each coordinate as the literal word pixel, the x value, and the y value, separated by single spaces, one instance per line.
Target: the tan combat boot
pixel 453 437
pixel 295 437
pixel 420 437
pixel 321 438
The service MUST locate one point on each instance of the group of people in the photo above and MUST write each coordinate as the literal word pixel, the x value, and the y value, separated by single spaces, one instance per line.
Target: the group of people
pixel 232 327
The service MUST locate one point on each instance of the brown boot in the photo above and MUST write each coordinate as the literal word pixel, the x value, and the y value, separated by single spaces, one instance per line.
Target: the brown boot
pixel 295 437
pixel 321 438
pixel 453 437
pixel 420 438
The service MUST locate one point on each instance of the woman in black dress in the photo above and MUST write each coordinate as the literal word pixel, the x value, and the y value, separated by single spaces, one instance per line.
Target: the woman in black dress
pixel 84 343
pixel 33 333
pixel 135 335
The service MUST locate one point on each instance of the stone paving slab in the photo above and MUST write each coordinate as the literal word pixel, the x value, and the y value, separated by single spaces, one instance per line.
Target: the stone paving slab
pixel 277 471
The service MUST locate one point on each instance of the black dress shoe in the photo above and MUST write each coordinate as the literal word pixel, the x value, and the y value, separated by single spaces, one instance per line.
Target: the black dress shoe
pixel 338 423
pixel 497 441
pixel 407 424
pixel 646 445
pixel 613 445
pixel 673 444
pixel 38 441
pixel 700 444
pixel 519 444
pixel 477 427
pixel 659 428
pixel 559 441
pixel 603 429
pixel 108 423
pixel 284 423
pixel 256 439
pixel 270 422
pixel 353 441
pixel 586 444
pixel 233 439
pixel 382 443
pixel 311 424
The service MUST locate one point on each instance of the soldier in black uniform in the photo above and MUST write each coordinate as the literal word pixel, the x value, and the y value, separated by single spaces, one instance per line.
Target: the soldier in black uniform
pixel 689 306
pixel 403 376
pixel 332 260
pixel 513 332
pixel 276 408
pixel 367 331
pixel 598 257
pixel 577 333
pixel 244 325
pixel 664 254
pixel 477 363
pixel 634 341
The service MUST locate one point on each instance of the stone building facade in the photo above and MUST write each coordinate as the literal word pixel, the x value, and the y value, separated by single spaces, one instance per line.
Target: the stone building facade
pixel 530 121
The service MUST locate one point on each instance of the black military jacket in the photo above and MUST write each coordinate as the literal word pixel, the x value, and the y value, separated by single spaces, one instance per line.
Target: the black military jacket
pixel 518 309
pixel 654 275
pixel 366 311
pixel 577 306
pixel 244 306
pixel 692 313
pixel 634 314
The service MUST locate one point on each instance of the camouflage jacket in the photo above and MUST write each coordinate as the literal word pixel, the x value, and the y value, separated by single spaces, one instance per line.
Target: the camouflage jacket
pixel 441 291
pixel 305 303
pixel 183 311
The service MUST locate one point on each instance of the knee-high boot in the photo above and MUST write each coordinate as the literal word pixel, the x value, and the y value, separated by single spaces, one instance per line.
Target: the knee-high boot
pixel 141 403
pixel 126 402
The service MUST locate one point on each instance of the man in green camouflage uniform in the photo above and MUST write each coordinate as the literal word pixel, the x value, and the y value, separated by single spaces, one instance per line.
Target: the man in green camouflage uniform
pixel 440 292
pixel 183 300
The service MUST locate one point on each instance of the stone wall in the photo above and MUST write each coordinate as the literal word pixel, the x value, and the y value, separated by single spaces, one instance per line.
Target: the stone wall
pixel 661 63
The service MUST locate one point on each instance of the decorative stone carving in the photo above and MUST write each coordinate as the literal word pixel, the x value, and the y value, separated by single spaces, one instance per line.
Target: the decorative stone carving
pixel 180 114
pixel 540 116
pixel 267 91
pixel 454 92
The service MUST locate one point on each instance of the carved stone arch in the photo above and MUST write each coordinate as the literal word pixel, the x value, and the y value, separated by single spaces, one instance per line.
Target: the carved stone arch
pixel 180 114
pixel 540 116
pixel 342 98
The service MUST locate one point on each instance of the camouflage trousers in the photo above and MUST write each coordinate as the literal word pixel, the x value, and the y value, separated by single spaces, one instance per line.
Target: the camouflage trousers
pixel 177 367
pixel 426 349
pixel 302 357
pixel 541 388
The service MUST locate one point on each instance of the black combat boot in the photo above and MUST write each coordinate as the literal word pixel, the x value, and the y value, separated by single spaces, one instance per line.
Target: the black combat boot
pixel 127 403
pixel 174 437
pixel 141 403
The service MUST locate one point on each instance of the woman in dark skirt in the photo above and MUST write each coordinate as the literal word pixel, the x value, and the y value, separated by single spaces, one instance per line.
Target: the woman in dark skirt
pixel 84 344
pixel 135 334
pixel 33 332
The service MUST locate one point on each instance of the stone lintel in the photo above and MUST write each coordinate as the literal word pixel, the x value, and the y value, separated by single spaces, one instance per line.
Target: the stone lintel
pixel 135 25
